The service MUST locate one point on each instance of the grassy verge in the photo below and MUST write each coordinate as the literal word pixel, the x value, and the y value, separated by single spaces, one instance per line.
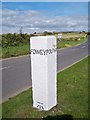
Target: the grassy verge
pixel 72 97
pixel 68 43
pixel 22 49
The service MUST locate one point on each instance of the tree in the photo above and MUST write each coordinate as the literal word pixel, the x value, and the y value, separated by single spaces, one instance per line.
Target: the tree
pixel 21 29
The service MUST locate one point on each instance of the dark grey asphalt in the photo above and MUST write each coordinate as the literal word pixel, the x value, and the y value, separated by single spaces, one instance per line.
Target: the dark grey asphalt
pixel 16 72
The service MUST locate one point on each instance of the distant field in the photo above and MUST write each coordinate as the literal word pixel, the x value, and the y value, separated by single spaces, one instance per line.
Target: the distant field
pixel 68 40
pixel 72 92
pixel 73 35
pixel 71 39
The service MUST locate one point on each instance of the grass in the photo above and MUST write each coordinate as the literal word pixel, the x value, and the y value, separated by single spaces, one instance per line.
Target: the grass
pixel 73 35
pixel 68 43
pixel 72 97
pixel 15 51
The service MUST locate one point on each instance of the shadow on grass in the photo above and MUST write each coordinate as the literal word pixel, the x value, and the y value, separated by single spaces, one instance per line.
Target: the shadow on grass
pixel 59 117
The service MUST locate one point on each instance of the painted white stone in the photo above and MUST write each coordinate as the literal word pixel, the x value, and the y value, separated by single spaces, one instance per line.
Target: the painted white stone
pixel 44 72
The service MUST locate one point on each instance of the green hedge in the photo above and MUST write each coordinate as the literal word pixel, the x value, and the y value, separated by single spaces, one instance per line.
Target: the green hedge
pixel 9 39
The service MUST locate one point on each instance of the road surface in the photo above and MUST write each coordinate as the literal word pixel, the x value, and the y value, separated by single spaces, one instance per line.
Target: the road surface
pixel 16 72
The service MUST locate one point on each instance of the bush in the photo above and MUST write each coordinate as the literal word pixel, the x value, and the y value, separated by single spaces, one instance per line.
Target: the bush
pixel 9 39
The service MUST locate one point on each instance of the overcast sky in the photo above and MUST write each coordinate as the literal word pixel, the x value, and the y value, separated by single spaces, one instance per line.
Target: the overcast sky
pixel 42 16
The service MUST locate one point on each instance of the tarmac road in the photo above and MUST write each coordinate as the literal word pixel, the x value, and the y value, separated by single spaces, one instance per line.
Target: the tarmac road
pixel 16 72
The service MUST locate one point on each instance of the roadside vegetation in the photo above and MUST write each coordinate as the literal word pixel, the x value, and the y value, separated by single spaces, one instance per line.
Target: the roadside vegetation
pixel 71 39
pixel 19 44
pixel 72 97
